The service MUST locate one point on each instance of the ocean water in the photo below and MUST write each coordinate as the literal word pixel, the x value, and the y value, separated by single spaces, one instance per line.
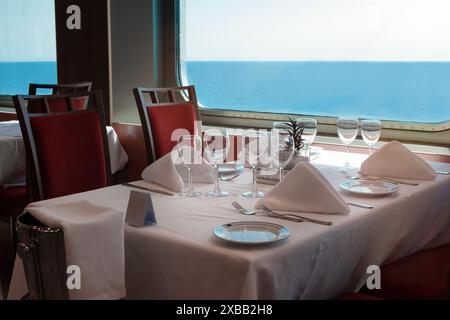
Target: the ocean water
pixel 15 76
pixel 405 91
pixel 411 91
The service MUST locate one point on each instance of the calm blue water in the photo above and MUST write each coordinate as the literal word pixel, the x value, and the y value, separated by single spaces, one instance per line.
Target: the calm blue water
pixel 413 91
pixel 15 76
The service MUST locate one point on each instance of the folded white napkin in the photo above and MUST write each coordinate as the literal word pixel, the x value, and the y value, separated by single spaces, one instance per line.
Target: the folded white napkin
pixel 94 241
pixel 168 174
pixel 304 189
pixel 10 128
pixel 394 160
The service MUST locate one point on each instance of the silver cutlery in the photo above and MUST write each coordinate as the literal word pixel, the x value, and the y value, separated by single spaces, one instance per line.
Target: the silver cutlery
pixel 391 180
pixel 147 189
pixel 222 178
pixel 242 210
pixel 442 172
pixel 248 212
pixel 360 205
pixel 288 215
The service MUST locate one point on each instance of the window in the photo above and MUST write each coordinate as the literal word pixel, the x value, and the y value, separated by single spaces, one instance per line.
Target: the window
pixel 27 44
pixel 384 59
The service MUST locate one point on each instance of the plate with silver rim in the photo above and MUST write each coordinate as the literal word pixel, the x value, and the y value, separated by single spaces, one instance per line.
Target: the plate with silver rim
pixel 251 232
pixel 369 187
pixel 230 168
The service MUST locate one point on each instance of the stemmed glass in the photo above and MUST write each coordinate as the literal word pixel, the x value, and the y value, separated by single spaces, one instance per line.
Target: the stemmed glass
pixel 282 149
pixel 255 145
pixel 371 132
pixel 216 143
pixel 190 152
pixel 347 129
pixel 309 132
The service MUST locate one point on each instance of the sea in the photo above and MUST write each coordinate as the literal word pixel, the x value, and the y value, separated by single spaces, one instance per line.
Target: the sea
pixel 403 91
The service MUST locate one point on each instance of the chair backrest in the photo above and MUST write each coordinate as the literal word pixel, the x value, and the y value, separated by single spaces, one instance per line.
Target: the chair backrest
pixel 44 260
pixel 67 152
pixel 162 111
pixel 58 89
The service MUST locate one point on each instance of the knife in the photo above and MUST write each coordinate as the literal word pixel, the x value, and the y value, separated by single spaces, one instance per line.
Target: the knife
pixel 147 189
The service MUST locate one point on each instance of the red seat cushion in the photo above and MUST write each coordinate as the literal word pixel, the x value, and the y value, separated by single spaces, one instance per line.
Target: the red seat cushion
pixel 164 120
pixel 59 105
pixel 358 296
pixel 13 201
pixel 70 153
pixel 423 275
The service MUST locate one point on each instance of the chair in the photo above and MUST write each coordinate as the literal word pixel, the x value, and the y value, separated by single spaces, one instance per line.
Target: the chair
pixel 423 275
pixel 162 111
pixel 58 89
pixel 67 152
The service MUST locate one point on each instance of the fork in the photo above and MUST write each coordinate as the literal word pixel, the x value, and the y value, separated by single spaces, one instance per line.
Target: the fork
pixel 391 180
pixel 287 215
pixel 242 210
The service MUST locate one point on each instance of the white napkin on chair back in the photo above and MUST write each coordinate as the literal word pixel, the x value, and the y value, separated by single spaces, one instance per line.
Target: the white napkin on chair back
pixel 304 189
pixel 94 241
pixel 394 160
pixel 168 174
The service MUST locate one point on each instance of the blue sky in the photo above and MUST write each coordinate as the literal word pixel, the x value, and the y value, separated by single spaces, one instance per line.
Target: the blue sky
pixel 298 30
pixel 27 30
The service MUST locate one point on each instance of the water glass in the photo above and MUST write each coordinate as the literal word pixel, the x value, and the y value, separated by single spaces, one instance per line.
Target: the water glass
pixel 371 132
pixel 255 145
pixel 190 150
pixel 347 129
pixel 309 132
pixel 217 144
pixel 282 149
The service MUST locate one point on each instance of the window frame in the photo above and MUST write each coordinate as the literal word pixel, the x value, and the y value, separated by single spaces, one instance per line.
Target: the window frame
pixel 431 133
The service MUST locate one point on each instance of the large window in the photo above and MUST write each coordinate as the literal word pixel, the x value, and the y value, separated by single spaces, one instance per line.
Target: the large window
pixel 27 44
pixel 385 59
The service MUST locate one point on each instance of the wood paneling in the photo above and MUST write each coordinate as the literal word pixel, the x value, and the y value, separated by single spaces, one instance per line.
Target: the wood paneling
pixel 131 137
pixel 83 55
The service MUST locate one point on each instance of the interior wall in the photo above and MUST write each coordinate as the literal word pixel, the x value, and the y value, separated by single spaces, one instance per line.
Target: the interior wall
pixel 134 30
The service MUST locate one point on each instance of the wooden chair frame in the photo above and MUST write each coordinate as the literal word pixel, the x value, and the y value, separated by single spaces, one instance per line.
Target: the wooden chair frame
pixel 34 176
pixel 68 88
pixel 171 93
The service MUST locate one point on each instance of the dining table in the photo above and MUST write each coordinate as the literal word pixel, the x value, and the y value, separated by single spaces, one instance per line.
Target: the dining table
pixel 179 257
pixel 12 153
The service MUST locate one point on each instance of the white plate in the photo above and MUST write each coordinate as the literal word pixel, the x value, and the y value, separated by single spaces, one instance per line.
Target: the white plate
pixel 366 187
pixel 230 168
pixel 251 232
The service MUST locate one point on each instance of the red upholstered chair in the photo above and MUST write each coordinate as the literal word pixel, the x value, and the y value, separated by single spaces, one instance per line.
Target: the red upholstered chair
pixel 163 110
pixel 58 105
pixel 423 275
pixel 67 152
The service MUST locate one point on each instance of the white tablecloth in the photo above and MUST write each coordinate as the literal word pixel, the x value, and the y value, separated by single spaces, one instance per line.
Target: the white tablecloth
pixel 179 258
pixel 12 153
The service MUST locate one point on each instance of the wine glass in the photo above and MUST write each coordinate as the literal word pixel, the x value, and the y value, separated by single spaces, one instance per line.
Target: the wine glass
pixel 347 129
pixel 309 132
pixel 371 132
pixel 217 144
pixel 255 145
pixel 282 149
pixel 190 150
